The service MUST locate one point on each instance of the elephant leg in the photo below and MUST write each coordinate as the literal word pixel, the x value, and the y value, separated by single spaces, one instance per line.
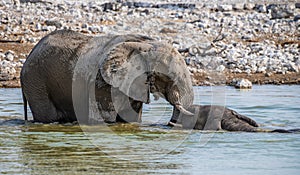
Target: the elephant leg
pixel 42 107
pixel 132 113
pixel 105 104
pixel 214 117
pixel 115 106
pixel 175 115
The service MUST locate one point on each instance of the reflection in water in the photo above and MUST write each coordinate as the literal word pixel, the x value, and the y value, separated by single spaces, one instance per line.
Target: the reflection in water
pixel 57 148
pixel 65 149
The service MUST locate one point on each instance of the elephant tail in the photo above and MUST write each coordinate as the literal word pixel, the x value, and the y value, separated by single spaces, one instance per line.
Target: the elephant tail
pixel 25 106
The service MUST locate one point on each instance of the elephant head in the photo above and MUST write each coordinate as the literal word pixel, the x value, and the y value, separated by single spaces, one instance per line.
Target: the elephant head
pixel 138 68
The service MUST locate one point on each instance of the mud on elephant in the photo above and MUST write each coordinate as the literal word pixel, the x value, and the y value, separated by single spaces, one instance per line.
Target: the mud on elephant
pixel 73 77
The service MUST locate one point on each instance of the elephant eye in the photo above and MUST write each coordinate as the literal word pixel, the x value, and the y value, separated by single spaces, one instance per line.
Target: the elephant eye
pixel 153 88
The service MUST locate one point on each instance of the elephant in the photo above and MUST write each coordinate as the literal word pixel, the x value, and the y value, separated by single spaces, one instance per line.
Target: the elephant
pixel 70 77
pixel 214 117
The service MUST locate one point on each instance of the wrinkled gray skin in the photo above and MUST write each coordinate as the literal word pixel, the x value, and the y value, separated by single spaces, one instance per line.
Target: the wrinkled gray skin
pixel 66 72
pixel 213 117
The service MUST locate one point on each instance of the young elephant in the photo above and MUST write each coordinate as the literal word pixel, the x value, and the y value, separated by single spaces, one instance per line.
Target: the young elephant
pixel 213 117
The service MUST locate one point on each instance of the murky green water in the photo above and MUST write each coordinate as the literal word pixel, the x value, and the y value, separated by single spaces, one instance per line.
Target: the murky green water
pixel 153 148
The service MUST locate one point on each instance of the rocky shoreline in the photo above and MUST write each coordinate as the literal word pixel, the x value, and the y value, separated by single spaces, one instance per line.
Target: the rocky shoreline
pixel 220 43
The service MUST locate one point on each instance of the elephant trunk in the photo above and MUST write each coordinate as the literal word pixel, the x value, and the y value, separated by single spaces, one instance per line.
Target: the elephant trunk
pixel 180 100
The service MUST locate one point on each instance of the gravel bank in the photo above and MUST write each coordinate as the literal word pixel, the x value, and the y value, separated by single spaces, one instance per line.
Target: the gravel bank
pixel 220 42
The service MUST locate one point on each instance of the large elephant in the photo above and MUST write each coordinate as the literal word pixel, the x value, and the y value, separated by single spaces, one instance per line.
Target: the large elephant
pixel 214 117
pixel 70 77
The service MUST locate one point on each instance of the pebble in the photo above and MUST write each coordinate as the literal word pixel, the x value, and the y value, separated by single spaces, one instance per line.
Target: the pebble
pixel 220 68
pixel 54 23
pixel 268 74
pixel 293 67
pixel 238 6
pixel 225 7
pixel 7 73
pixel 9 55
pixel 22 61
pixel 297 17
pixel 249 6
pixel 2 56
pixel 261 8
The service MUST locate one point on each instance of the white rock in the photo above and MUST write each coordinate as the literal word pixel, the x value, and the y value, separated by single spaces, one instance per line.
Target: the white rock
pixel 192 69
pixel 254 69
pixel 22 55
pixel 249 6
pixel 261 70
pixel 225 7
pixel 2 55
pixel 32 40
pixel 84 25
pixel 261 8
pixel 238 6
pixel 243 84
pixel 248 71
pixel 189 25
pixel 5 63
pixel 51 28
pixel 22 61
pixel 9 56
pixel 94 29
pixel 236 70
pixel 293 67
pixel 220 68
pixel 38 27
pixel 19 65
pixel 211 6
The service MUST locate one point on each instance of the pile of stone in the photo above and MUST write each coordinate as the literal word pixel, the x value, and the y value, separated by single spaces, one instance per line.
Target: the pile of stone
pixel 238 38
pixel 9 66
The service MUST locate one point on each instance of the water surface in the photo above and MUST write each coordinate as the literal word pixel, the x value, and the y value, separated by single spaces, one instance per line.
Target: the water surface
pixel 154 148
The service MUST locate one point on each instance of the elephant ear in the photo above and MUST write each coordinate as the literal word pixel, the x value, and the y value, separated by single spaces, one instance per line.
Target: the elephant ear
pixel 125 67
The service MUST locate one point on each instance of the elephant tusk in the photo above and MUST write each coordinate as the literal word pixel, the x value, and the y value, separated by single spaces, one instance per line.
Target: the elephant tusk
pixel 184 111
